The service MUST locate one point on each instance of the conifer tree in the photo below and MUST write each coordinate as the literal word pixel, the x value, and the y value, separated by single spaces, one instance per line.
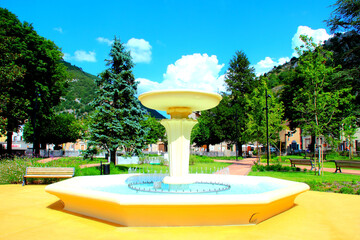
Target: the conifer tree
pixel 240 81
pixel 117 116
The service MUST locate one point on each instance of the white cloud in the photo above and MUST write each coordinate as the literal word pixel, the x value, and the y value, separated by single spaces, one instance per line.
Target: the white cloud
pixel 67 56
pixel 105 40
pixel 140 50
pixel 268 63
pixel 198 72
pixel 83 56
pixel 59 29
pixel 319 36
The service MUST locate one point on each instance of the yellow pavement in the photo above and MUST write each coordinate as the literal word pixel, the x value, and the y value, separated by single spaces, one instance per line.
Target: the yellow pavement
pixel 30 213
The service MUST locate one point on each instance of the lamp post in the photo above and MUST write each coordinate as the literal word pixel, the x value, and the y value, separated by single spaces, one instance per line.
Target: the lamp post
pixel 267 127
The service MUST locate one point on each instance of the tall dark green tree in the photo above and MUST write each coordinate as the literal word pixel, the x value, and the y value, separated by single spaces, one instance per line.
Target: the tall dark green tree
pixel 240 81
pixel 116 121
pixel 59 129
pixel 37 80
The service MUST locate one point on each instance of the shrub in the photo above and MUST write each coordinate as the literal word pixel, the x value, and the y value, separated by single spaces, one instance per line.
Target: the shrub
pixel 346 190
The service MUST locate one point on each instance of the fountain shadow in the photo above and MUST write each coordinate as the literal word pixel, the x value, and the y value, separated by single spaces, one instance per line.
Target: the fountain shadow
pixel 59 206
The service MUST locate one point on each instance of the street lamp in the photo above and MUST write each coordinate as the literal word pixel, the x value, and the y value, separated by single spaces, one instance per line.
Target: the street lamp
pixel 267 127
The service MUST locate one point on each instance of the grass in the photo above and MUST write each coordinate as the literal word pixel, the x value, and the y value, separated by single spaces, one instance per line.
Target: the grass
pixel 12 170
pixel 327 163
pixel 328 182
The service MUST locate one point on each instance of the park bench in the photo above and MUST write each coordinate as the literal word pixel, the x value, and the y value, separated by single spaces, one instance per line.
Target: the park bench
pixel 296 161
pixel 346 164
pixel 48 172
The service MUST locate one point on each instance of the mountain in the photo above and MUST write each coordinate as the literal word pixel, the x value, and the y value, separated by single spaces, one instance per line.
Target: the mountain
pixel 81 91
pixel 346 52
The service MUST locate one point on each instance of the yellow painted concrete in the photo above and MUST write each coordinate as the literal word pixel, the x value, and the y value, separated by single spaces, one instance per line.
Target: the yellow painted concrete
pixel 30 213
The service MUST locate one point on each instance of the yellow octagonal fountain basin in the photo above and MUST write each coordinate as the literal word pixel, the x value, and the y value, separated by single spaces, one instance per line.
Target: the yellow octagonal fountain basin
pixel 249 200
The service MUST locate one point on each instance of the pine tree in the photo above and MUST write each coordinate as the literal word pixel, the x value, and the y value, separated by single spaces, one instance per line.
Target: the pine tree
pixel 240 80
pixel 117 116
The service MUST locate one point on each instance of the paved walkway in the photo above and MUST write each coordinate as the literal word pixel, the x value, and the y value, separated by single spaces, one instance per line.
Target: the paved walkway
pixel 45 160
pixel 241 167
pixel 30 213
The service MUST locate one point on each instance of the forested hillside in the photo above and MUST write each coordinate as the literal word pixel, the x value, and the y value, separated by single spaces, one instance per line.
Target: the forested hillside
pixel 80 92
pixel 346 52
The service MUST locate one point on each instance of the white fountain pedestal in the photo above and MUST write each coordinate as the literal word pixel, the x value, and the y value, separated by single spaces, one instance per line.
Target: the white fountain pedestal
pixel 179 104
pixel 178 132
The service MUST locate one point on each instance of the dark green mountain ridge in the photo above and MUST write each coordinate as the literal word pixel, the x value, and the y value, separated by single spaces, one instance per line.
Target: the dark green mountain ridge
pixel 81 92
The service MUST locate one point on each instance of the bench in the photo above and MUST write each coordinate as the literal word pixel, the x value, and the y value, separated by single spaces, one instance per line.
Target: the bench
pixel 346 164
pixel 296 161
pixel 48 172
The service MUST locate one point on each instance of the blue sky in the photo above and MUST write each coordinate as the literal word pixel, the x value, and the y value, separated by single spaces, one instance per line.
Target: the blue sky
pixel 176 44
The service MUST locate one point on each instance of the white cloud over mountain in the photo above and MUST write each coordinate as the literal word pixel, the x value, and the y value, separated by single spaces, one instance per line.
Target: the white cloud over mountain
pixel 267 64
pixel 81 56
pixel 196 71
pixel 319 36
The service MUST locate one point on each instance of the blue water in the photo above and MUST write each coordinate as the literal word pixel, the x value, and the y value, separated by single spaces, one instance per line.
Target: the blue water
pixel 234 189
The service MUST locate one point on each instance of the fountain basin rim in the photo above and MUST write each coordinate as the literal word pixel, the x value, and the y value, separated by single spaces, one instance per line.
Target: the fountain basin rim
pixel 73 188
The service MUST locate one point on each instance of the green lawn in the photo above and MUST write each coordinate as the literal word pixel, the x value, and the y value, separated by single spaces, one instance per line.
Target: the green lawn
pixel 12 170
pixel 328 182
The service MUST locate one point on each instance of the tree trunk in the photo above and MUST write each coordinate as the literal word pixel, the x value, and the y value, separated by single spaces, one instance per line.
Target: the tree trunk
pixel 240 149
pixel 312 144
pixel 207 147
pixel 112 156
pixel 9 142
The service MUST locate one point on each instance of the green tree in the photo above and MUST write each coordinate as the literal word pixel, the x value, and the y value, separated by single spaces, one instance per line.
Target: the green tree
pixel 256 125
pixel 206 132
pixel 346 16
pixel 116 121
pixel 349 127
pixel 61 128
pixel 318 99
pixel 240 81
pixel 156 131
pixel 33 79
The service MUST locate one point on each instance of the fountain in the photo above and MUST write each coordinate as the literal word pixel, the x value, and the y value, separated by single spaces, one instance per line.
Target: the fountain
pixel 180 198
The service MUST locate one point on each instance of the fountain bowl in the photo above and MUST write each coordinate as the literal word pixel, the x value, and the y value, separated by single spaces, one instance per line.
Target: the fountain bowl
pixel 179 101
pixel 90 196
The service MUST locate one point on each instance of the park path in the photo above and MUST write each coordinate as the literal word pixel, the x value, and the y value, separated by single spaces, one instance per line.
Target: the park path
pixel 45 160
pixel 241 167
